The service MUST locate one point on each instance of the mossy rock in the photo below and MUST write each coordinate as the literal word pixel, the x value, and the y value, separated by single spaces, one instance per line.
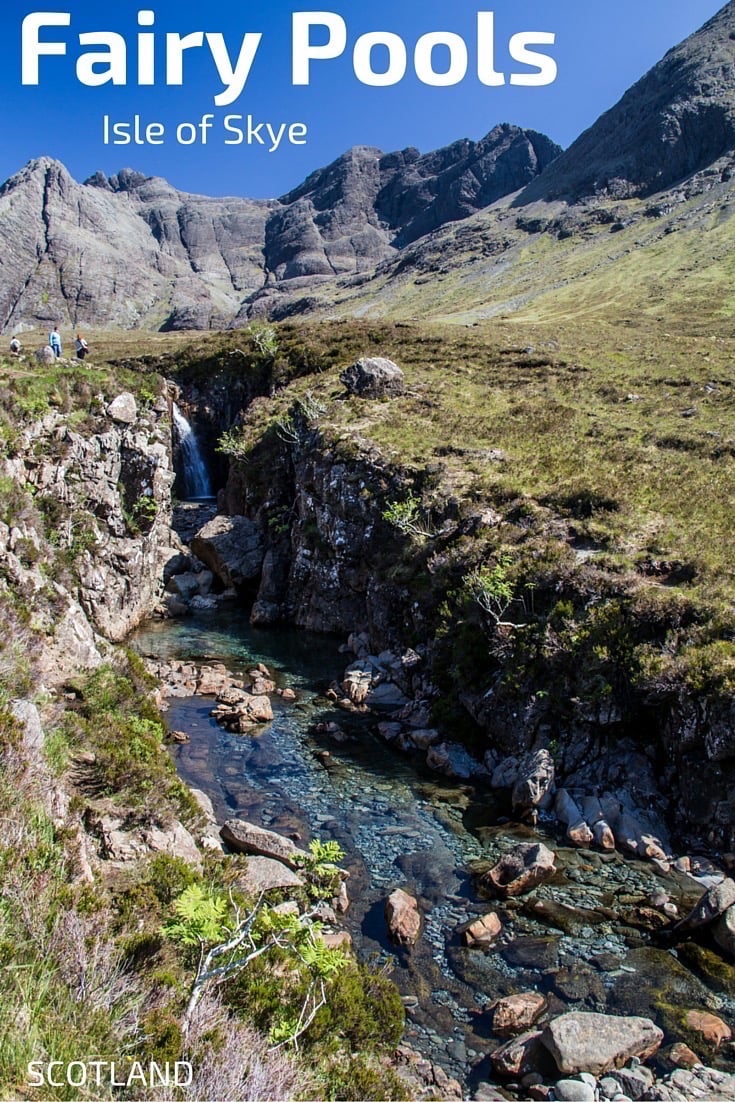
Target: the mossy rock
pixel 662 988
pixel 716 972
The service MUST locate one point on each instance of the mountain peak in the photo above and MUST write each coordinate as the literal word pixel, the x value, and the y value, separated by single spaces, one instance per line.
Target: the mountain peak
pixel 36 174
pixel 675 121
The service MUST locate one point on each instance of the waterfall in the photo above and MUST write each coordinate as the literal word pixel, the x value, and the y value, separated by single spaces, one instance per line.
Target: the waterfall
pixel 195 476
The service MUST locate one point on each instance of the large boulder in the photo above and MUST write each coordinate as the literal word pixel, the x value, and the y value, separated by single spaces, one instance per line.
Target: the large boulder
pixel 374 377
pixel 597 1043
pixel 123 409
pixel 248 838
pixel 232 547
pixel 45 354
pixel 402 918
pixel 265 874
pixel 529 864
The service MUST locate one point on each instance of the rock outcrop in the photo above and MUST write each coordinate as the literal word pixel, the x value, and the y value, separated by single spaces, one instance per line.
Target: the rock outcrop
pixel 113 486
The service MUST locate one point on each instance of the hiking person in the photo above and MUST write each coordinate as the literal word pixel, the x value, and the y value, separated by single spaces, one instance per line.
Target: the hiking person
pixel 54 339
pixel 81 346
pixel 15 346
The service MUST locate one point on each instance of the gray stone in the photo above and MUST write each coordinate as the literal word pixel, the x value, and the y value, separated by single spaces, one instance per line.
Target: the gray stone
pixel 123 409
pixel 232 547
pixel 609 1087
pixel 248 838
pixel 386 695
pixel 185 585
pixel 45 354
pixel 374 377
pixel 634 1081
pixel 599 1042
pixel 452 760
pixel 574 1090
pixel 265 874
pixel 133 845
pixel 724 932
pixel 205 804
pixel 27 715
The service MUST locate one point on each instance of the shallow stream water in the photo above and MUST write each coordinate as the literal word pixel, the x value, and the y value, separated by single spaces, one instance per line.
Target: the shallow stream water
pixel 402 826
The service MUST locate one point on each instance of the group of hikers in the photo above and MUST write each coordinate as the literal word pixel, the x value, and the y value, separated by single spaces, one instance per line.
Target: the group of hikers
pixel 54 342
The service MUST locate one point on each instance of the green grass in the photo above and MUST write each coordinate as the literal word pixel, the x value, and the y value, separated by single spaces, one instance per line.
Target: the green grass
pixel 593 424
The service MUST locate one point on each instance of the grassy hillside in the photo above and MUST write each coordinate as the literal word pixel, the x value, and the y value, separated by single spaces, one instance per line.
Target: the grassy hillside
pixel 668 261
pixel 625 433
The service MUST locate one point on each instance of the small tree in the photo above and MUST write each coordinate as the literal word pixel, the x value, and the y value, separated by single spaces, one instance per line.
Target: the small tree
pixel 406 516
pixel 491 588
pixel 230 939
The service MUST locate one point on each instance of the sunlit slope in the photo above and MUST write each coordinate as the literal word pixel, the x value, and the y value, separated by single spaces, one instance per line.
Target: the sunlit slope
pixel 668 259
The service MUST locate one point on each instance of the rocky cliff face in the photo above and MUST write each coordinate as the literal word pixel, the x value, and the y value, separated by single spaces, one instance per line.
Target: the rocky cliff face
pixel 133 251
pixel 321 568
pixel 96 531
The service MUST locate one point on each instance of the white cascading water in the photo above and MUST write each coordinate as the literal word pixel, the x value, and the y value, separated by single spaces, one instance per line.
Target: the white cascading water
pixel 195 476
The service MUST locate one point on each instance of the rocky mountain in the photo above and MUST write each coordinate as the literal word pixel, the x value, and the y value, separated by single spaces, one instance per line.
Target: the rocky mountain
pixel 636 211
pixel 677 120
pixel 634 218
pixel 130 250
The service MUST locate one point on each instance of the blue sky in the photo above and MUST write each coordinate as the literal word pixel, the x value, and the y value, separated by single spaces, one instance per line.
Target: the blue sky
pixel 600 50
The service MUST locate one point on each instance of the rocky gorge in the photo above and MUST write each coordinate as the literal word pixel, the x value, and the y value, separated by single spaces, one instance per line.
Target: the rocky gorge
pixel 322 571
pixel 366 688
pixel 307 532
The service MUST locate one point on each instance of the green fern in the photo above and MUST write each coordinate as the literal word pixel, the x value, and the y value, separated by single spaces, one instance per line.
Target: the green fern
pixel 200 917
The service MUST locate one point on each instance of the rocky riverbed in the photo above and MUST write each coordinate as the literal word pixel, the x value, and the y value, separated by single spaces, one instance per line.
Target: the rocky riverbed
pixel 590 940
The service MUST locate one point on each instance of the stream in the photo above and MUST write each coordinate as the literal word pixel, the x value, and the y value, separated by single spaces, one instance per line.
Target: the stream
pixel 403 826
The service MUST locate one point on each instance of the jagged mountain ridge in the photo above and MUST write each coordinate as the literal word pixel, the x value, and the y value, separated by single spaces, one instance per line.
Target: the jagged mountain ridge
pixel 635 217
pixel 131 250
pixel 636 213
